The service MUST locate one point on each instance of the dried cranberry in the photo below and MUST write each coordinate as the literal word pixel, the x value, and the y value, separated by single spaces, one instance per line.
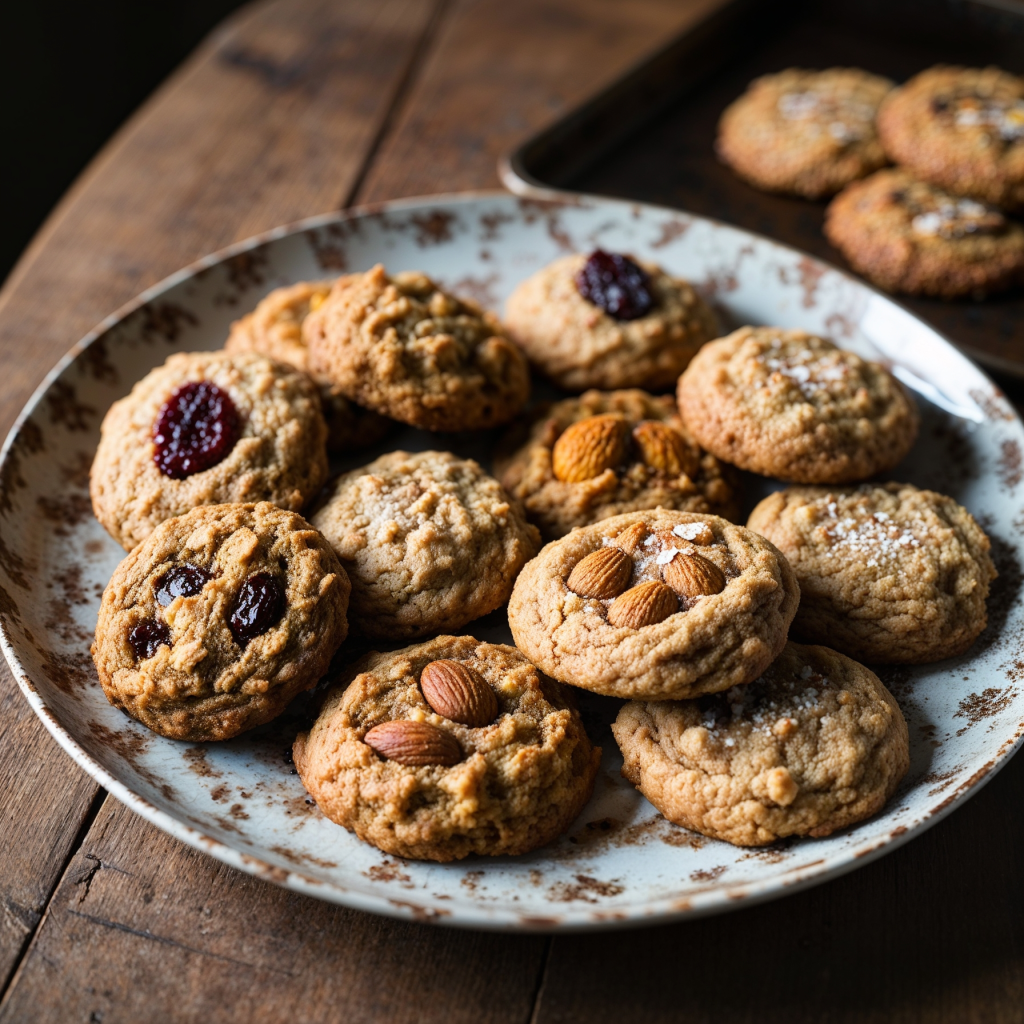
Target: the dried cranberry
pixel 181 581
pixel 196 428
pixel 616 284
pixel 146 638
pixel 260 604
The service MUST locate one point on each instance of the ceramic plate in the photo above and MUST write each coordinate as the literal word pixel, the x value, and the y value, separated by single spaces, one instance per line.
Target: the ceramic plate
pixel 620 862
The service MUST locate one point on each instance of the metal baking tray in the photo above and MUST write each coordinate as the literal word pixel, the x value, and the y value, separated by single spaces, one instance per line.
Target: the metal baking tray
pixel 650 135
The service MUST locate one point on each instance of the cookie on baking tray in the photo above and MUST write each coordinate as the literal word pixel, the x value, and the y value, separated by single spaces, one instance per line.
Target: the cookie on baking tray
pixel 791 405
pixel 608 321
pixel 274 329
pixel 448 748
pixel 908 236
pixel 609 452
pixel 218 619
pixel 888 573
pixel 814 745
pixel 655 605
pixel 204 429
pixel 805 132
pixel 961 129
pixel 430 542
pixel 409 350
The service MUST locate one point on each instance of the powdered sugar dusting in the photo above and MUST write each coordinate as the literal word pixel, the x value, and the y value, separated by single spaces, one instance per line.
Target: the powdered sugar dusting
pixel 810 371
pixel 875 537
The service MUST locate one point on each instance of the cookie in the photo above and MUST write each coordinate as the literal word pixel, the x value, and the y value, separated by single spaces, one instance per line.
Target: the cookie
pixel 961 129
pixel 207 428
pixel 392 759
pixel 429 540
pixel 218 619
pixel 655 605
pixel 402 346
pixel 815 745
pixel 647 459
pixel 805 132
pixel 911 237
pixel 274 329
pixel 560 318
pixel 888 573
pixel 791 405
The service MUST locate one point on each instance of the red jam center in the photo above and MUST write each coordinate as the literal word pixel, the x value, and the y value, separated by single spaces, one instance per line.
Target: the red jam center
pixel 260 604
pixel 196 428
pixel 616 284
pixel 147 636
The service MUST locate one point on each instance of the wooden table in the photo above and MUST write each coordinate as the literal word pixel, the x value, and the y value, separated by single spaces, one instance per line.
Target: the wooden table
pixel 297 107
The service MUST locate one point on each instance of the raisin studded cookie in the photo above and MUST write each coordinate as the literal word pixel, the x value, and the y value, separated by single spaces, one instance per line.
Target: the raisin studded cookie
pixel 791 405
pixel 218 619
pixel 961 129
pixel 610 452
pixel 448 748
pixel 908 236
pixel 429 540
pixel 204 429
pixel 655 605
pixel 607 321
pixel 805 132
pixel 274 329
pixel 888 573
pixel 402 346
pixel 814 745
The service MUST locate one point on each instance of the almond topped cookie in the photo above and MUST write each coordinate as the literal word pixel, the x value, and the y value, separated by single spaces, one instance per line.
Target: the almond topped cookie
pixel 609 452
pixel 655 605
pixel 404 347
pixel 888 573
pixel 791 405
pixel 448 748
pixel 815 744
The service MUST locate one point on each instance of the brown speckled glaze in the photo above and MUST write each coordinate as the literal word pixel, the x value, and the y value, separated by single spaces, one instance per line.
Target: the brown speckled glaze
pixel 620 862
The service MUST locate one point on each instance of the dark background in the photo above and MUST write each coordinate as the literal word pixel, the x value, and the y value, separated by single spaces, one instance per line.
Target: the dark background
pixel 70 74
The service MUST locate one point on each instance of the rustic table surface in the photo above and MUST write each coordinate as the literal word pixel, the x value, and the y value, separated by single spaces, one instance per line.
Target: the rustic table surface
pixel 297 107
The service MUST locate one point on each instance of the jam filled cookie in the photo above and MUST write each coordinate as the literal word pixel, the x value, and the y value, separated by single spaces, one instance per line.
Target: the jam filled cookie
pixel 402 346
pixel 911 237
pixel 204 429
pixel 610 452
pixel 814 745
pixel 449 748
pixel 791 405
pixel 274 329
pixel 888 573
pixel 607 321
pixel 430 542
pixel 218 619
pixel 961 129
pixel 655 605
pixel 805 132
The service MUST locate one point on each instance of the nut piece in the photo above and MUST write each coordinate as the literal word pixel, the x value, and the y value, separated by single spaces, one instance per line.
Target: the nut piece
pixel 603 573
pixel 588 448
pixel 693 575
pixel 631 538
pixel 643 605
pixel 414 743
pixel 459 693
pixel 663 449
pixel 782 787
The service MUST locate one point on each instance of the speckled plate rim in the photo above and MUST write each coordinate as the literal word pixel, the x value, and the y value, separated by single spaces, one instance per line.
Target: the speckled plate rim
pixel 717 898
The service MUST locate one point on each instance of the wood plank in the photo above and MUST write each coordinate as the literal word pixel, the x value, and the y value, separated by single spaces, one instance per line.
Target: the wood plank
pixel 144 928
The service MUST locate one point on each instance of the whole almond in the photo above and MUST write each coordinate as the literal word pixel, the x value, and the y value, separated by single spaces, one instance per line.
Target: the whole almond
pixel 631 538
pixel 664 449
pixel 693 575
pixel 588 448
pixel 459 692
pixel 414 743
pixel 643 605
pixel 603 573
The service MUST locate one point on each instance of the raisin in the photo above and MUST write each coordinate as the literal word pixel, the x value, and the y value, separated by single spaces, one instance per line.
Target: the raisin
pixel 181 581
pixel 616 284
pixel 260 604
pixel 195 428
pixel 146 638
